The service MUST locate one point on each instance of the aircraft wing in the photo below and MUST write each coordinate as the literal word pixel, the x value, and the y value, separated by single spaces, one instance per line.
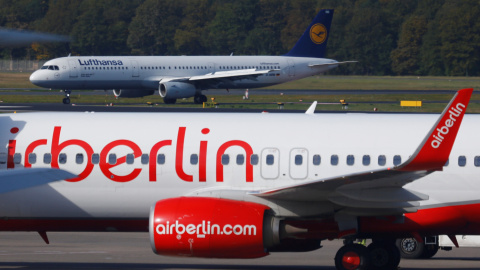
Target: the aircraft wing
pixel 11 180
pixel 383 189
pixel 232 74
pixel 219 75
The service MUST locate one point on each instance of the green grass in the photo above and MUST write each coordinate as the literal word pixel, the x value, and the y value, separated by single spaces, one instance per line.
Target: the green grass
pixel 293 102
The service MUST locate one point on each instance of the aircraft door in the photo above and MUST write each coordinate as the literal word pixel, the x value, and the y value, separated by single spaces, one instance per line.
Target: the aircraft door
pixel 291 68
pixel 134 68
pixel 270 163
pixel 299 163
pixel 73 68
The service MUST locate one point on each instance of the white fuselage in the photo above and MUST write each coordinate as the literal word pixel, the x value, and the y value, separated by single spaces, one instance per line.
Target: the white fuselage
pixel 288 147
pixel 145 72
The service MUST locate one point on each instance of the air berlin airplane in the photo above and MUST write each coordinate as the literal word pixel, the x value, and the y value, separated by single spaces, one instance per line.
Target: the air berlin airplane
pixel 243 185
pixel 186 76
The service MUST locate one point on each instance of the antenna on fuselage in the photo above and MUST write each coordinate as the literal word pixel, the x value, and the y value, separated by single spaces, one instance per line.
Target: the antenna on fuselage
pixel 311 109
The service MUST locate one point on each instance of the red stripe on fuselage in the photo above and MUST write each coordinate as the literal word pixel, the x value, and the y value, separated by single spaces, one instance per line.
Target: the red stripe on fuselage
pixel 72 225
pixel 455 219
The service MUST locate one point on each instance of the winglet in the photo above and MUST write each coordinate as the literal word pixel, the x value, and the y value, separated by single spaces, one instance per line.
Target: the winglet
pixel 433 152
pixel 311 109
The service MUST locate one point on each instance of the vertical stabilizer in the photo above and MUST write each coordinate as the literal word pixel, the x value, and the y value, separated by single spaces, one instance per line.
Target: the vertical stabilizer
pixel 313 42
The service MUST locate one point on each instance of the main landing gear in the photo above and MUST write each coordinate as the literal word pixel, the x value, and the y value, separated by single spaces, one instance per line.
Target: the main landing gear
pixel 66 100
pixel 199 99
pixel 379 255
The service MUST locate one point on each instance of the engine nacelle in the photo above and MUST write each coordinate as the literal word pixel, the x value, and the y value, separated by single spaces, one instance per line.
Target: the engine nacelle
pixel 174 90
pixel 132 93
pixel 210 228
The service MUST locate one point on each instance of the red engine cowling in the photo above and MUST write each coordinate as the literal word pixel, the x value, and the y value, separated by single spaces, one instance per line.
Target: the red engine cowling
pixel 207 227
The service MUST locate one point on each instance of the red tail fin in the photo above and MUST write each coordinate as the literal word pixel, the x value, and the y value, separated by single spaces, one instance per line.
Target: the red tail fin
pixel 435 149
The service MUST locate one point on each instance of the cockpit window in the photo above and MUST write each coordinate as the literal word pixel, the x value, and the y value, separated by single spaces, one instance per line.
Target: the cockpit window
pixel 51 67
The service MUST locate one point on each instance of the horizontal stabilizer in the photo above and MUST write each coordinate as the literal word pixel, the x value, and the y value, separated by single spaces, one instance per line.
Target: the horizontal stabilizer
pixel 11 180
pixel 331 64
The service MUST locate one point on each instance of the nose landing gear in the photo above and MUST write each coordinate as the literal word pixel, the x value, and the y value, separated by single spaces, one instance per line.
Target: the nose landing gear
pixel 66 100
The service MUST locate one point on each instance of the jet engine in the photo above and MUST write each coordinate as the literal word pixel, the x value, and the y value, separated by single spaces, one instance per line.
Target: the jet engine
pixel 132 93
pixel 175 90
pixel 221 228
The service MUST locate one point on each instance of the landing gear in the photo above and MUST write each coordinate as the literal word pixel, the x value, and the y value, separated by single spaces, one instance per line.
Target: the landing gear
pixel 66 100
pixel 410 248
pixel 381 255
pixel 199 99
pixel 352 257
pixel 169 100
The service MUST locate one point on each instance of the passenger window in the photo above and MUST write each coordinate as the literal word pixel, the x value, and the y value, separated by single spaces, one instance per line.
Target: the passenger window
pixel 270 159
pixel 144 159
pixel 382 160
pixel 317 160
pixel 254 159
pixel 397 160
pixel 161 159
pixel 79 158
pixel 112 159
pixel 32 158
pixel 194 159
pixel 462 161
pixel 130 159
pixel 225 159
pixel 366 160
pixel 62 158
pixel 298 159
pixel 47 158
pixel 334 160
pixel 17 158
pixel 3 158
pixel 240 159
pixel 95 158
pixel 350 160
pixel 476 161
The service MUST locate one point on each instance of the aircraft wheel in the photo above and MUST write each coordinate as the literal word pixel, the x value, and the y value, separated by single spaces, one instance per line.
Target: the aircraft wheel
pixel 383 256
pixel 410 248
pixel 197 99
pixel 203 98
pixel 66 101
pixel 352 257
pixel 430 251
pixel 169 100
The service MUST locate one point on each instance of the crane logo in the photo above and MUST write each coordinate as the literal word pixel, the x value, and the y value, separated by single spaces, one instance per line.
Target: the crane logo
pixel 318 33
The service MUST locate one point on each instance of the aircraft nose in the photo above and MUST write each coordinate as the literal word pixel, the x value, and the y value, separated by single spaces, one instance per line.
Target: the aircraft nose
pixel 35 78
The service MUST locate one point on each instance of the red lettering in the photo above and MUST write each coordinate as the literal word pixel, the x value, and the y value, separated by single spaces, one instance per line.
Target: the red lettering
pixel 179 156
pixel 203 158
pixel 153 155
pixel 11 152
pixel 105 166
pixel 248 151
pixel 30 149
pixel 57 148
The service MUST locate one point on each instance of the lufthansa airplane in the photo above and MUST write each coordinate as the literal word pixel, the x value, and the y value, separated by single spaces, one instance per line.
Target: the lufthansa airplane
pixel 245 185
pixel 186 76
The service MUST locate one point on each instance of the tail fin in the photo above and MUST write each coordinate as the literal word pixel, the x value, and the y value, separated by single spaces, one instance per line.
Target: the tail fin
pixel 313 42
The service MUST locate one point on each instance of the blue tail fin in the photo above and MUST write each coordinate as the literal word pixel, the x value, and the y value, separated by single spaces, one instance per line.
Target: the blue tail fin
pixel 313 42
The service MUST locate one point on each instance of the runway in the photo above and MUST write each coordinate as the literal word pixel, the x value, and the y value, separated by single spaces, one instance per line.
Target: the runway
pixel 111 250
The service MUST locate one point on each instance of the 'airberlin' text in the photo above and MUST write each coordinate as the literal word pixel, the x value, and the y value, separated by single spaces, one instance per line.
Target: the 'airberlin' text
pixel 106 167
